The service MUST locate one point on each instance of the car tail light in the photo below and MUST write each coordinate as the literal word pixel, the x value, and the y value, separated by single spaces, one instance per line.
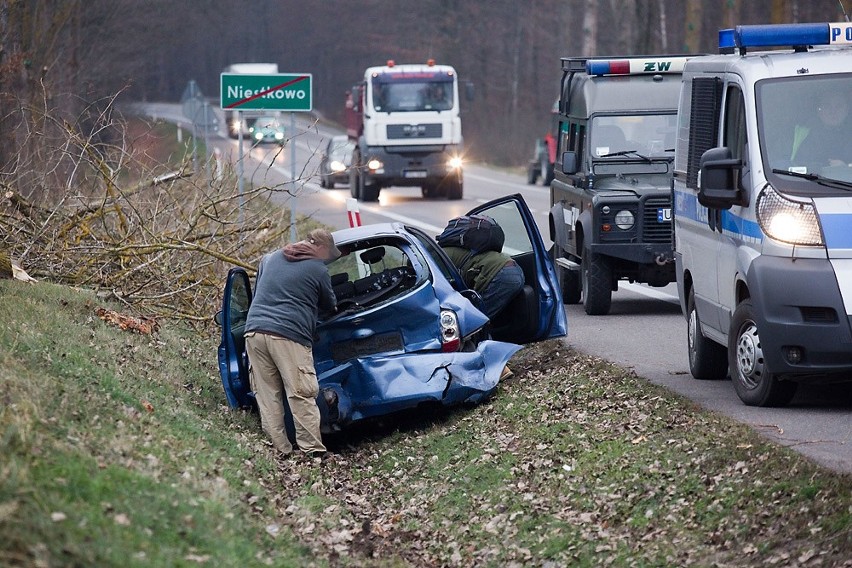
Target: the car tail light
pixel 450 338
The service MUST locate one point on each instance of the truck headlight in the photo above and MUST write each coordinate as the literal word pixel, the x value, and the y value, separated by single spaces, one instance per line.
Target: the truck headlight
pixel 788 221
pixel 624 220
pixel 455 163
pixel 336 166
pixel 374 164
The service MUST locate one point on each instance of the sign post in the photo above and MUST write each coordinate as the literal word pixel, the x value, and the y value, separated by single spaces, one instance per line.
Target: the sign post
pixel 292 92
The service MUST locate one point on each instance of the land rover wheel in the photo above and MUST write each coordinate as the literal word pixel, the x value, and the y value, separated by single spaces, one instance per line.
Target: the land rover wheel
pixel 754 382
pixel 597 284
pixel 707 359
pixel 569 280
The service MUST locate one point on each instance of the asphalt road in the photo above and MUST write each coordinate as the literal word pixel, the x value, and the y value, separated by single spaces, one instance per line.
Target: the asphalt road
pixel 645 330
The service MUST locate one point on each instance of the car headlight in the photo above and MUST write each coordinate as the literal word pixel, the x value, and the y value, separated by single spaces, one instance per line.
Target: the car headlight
pixel 279 136
pixel 788 221
pixel 455 163
pixel 450 336
pixel 336 166
pixel 624 220
pixel 258 135
pixel 374 164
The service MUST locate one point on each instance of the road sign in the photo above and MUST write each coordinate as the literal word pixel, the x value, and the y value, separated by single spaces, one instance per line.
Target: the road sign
pixel 290 92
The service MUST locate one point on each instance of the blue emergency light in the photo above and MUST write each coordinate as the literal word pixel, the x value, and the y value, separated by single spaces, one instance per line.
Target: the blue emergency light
pixel 784 35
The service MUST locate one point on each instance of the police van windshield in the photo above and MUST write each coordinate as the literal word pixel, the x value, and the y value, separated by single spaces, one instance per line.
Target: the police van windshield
pixel 805 128
pixel 412 94
pixel 649 135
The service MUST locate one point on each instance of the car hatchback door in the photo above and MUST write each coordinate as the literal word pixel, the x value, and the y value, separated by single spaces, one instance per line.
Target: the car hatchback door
pixel 537 312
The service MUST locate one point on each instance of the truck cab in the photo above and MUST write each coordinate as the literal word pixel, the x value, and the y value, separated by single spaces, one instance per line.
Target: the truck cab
pixel 610 216
pixel 405 123
pixel 763 209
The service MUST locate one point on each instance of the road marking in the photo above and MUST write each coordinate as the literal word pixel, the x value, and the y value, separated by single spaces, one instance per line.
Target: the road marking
pixel 513 185
pixel 650 292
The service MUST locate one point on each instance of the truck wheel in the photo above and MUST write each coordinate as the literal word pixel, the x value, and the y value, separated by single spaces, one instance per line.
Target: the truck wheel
pixel 546 170
pixel 427 191
pixel 597 284
pixel 755 384
pixel 569 280
pixel 367 191
pixel 708 361
pixel 532 175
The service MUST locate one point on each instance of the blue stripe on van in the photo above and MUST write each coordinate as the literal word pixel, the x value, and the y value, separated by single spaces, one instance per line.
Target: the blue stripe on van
pixel 686 205
pixel 837 229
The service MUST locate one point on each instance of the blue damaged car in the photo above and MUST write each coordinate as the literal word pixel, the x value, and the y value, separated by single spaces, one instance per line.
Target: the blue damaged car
pixel 408 331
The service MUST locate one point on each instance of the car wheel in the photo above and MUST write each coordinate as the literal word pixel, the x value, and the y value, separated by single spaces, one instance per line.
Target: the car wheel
pixel 597 284
pixel 329 184
pixel 354 182
pixel 707 359
pixel 569 280
pixel 754 382
pixel 454 189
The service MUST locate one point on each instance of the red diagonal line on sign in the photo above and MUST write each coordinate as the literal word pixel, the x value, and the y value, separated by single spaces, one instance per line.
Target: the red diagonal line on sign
pixel 267 91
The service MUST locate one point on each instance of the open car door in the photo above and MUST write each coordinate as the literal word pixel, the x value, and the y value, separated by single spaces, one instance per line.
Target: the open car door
pixel 233 360
pixel 536 313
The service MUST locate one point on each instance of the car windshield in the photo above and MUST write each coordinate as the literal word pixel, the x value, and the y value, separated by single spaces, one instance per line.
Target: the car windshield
pixel 411 95
pixel 266 122
pixel 805 126
pixel 340 148
pixel 633 136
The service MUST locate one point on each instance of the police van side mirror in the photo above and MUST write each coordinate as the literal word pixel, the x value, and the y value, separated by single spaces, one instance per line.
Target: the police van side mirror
pixel 717 179
pixel 569 162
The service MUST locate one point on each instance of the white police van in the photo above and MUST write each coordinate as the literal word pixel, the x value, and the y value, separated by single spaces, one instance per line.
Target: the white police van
pixel 763 209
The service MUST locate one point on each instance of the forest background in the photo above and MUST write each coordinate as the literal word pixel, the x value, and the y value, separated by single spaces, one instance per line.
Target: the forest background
pixel 74 58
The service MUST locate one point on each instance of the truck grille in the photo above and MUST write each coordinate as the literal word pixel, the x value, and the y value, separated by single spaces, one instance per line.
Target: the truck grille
pixel 415 131
pixel 653 229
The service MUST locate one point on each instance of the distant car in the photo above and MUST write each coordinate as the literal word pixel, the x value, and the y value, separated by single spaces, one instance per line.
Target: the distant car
pixel 408 331
pixel 267 130
pixel 334 166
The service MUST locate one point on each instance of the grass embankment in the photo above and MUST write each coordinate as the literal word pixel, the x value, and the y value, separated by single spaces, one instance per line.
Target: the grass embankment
pixel 117 449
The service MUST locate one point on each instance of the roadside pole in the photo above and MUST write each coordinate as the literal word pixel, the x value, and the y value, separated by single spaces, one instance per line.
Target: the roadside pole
pixel 240 162
pixel 293 177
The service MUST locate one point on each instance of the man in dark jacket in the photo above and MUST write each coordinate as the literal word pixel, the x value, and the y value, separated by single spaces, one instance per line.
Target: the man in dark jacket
pixel 292 286
pixel 494 275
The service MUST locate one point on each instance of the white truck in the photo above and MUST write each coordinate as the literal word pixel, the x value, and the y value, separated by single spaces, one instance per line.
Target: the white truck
pixel 404 121
pixel 763 209
pixel 232 120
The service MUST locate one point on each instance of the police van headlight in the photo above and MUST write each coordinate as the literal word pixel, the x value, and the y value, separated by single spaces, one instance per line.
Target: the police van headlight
pixel 788 221
pixel 624 220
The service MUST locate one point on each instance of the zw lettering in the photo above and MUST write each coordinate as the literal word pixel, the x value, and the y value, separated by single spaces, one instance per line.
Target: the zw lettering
pixel 651 66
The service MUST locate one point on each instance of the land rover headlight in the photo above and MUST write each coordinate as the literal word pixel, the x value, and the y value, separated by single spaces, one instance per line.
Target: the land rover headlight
pixel 788 221
pixel 624 220
pixel 336 166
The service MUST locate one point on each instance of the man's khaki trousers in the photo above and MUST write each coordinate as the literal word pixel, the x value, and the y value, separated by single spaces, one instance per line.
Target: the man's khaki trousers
pixel 282 367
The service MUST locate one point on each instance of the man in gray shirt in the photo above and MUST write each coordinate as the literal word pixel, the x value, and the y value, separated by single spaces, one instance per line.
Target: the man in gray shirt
pixel 292 286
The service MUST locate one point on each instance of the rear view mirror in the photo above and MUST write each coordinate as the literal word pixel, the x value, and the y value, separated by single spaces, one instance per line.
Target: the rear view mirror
pixel 717 180
pixel 569 163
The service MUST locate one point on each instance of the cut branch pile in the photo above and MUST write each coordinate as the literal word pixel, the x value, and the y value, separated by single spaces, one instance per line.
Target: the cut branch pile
pixel 101 217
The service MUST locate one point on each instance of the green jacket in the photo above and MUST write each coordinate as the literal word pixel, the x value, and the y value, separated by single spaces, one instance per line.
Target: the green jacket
pixel 478 270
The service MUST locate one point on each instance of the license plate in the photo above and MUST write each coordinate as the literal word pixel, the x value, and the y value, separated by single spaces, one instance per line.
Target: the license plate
pixel 414 173
pixel 664 215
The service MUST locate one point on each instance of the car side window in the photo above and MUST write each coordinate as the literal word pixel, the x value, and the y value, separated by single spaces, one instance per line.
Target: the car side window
pixel 509 218
pixel 735 122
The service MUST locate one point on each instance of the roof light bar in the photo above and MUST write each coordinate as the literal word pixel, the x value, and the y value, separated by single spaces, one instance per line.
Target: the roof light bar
pixel 636 66
pixel 785 35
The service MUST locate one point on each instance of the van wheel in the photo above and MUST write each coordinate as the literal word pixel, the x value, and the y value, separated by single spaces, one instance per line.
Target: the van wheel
pixel 597 284
pixel 569 280
pixel 708 361
pixel 755 384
